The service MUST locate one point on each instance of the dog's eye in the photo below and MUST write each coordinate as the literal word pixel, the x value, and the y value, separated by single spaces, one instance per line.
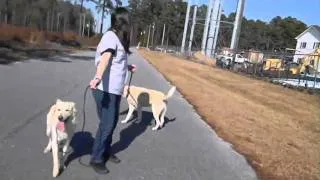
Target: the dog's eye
pixel 59 109
pixel 67 110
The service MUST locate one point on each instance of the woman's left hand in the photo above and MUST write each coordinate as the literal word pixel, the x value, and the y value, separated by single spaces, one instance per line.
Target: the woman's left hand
pixel 132 68
pixel 94 83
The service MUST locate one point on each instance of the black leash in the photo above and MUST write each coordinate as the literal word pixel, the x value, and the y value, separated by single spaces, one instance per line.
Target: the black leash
pixel 84 121
pixel 128 90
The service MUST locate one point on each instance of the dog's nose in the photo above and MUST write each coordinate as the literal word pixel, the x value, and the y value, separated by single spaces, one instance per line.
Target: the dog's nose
pixel 60 118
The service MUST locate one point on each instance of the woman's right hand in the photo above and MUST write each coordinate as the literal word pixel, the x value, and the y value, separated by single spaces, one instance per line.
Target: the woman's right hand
pixel 94 83
pixel 132 68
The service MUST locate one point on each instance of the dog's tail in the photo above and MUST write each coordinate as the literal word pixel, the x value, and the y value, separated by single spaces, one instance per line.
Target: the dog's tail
pixel 170 93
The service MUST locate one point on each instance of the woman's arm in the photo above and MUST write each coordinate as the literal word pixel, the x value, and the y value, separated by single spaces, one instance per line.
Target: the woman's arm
pixel 102 66
pixel 104 61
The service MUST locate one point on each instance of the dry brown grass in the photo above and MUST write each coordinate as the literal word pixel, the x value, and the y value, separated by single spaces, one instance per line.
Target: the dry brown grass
pixel 201 58
pixel 277 129
pixel 34 36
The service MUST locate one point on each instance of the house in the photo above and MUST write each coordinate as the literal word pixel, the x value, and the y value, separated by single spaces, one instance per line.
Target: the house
pixel 307 42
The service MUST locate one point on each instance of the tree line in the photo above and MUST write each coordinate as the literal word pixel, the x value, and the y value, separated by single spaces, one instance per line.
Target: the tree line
pixel 53 15
pixel 277 34
pixel 68 15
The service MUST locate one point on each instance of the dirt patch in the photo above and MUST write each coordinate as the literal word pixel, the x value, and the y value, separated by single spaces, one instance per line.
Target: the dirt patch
pixel 277 129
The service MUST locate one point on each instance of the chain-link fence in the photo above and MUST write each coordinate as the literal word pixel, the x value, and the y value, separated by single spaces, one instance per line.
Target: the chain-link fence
pixel 292 70
pixel 279 67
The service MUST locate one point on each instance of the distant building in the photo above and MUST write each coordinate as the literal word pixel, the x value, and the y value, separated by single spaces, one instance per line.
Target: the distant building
pixel 307 42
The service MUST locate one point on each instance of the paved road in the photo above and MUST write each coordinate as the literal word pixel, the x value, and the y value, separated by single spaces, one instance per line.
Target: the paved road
pixel 186 149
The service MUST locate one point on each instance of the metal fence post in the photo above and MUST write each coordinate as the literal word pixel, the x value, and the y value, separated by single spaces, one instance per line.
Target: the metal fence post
pixel 316 71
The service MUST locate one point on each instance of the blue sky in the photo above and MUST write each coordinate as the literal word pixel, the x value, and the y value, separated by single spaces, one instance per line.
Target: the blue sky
pixel 307 11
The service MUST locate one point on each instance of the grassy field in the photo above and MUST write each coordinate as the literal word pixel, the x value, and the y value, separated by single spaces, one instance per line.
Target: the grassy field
pixel 277 129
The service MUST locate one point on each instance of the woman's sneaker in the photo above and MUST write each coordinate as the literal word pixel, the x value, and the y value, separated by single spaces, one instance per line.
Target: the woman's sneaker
pixel 114 159
pixel 99 168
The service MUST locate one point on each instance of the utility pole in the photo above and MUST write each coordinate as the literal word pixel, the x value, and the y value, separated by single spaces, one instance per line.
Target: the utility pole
pixel 163 33
pixel 80 20
pixel 237 25
pixel 58 22
pixel 168 31
pixel 84 24
pixel 192 28
pixel 144 38
pixel 153 29
pixel 102 16
pixel 148 37
pixel 89 25
pixel 64 23
pixel 214 48
pixel 213 27
pixel 47 19
pixel 206 27
pixel 97 24
pixel 317 58
pixel 185 27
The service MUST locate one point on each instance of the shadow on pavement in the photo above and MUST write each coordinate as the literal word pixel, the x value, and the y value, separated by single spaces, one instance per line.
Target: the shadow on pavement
pixel 81 144
pixel 83 58
pixel 135 129
pixel 66 58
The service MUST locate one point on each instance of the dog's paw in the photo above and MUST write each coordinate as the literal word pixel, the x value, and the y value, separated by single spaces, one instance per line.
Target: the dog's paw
pixel 123 121
pixel 46 150
pixel 55 173
pixel 64 152
pixel 154 128
pixel 62 168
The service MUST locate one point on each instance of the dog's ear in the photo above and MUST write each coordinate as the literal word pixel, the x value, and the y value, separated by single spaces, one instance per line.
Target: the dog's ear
pixel 53 108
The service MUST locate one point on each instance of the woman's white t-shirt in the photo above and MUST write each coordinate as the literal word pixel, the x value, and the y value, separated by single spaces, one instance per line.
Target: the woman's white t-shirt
pixel 114 77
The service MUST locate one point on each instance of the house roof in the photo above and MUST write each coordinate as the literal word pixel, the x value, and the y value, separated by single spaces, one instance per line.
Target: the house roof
pixel 316 29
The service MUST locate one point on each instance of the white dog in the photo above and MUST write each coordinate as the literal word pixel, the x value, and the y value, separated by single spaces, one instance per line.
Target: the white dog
pixel 138 97
pixel 61 120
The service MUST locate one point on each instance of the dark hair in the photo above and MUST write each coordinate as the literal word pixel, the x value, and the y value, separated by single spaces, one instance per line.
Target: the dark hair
pixel 120 24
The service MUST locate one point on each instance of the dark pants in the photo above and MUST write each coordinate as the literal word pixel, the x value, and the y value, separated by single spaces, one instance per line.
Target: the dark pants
pixel 108 112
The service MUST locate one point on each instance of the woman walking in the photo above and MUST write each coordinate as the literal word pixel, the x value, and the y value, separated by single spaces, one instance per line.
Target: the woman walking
pixel 111 63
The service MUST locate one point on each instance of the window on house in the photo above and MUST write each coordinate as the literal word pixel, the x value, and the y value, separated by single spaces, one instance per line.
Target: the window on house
pixel 316 45
pixel 303 45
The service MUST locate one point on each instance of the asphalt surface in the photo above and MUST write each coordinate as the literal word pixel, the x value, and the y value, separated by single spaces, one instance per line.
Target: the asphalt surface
pixel 185 149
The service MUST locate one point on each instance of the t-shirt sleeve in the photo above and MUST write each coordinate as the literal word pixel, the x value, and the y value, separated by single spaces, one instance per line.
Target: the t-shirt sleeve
pixel 107 43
